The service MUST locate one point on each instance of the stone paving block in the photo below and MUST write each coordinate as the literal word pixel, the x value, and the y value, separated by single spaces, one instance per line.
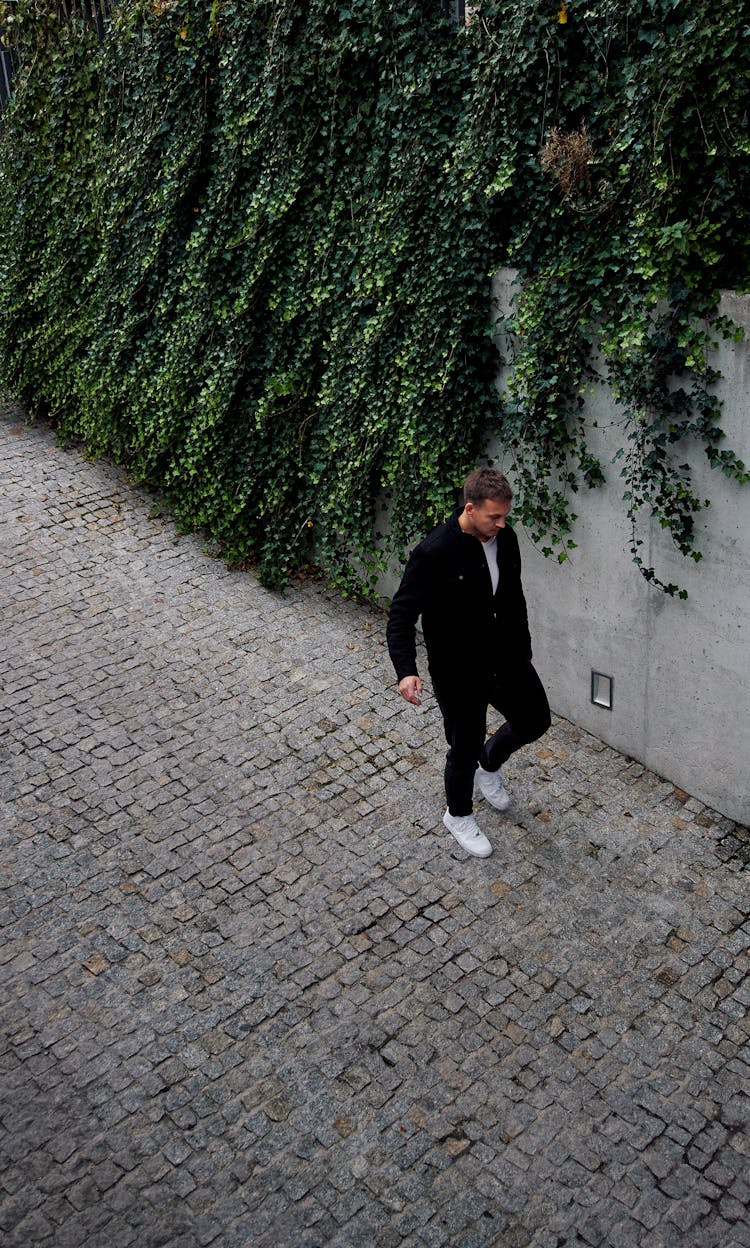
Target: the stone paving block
pixel 249 992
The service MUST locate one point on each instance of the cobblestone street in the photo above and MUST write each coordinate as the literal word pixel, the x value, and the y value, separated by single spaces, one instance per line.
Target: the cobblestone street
pixel 254 996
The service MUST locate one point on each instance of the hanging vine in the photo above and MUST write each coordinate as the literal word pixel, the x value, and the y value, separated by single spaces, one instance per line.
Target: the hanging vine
pixel 618 141
pixel 247 248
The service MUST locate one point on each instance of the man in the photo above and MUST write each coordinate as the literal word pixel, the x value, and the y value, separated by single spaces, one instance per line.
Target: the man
pixel 464 579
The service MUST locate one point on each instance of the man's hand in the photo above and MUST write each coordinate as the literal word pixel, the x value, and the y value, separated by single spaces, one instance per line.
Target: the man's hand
pixel 410 689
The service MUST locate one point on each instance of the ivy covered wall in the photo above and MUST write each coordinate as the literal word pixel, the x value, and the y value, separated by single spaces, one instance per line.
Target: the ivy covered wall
pixel 247 248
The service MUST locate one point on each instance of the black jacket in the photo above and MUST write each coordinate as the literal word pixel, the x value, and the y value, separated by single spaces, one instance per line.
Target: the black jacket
pixel 468 632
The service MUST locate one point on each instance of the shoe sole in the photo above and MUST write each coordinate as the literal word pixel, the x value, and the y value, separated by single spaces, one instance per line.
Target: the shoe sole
pixel 497 805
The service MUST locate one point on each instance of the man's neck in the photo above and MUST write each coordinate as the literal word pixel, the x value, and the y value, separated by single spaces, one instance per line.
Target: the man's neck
pixel 467 527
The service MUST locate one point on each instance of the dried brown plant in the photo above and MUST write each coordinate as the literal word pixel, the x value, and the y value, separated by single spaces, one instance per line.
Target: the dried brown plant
pixel 567 158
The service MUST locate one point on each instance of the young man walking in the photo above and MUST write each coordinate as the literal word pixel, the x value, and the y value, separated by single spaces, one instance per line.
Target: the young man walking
pixel 464 579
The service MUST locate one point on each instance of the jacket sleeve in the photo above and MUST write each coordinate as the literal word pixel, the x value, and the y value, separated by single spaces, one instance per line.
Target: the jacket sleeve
pixel 521 614
pixel 406 609
pixel 525 635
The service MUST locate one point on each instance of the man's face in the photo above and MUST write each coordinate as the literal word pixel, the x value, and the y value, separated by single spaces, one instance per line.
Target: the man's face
pixel 484 519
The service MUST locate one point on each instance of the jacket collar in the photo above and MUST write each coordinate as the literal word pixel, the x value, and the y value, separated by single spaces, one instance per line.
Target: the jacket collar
pixel 455 527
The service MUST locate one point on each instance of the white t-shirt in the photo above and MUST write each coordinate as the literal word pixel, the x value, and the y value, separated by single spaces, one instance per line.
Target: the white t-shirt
pixel 490 554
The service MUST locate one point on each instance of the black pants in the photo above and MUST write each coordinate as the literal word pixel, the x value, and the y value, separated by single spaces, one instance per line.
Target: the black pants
pixel 519 695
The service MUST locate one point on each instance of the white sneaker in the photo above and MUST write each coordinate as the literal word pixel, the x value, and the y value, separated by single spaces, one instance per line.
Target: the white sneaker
pixel 491 786
pixel 469 835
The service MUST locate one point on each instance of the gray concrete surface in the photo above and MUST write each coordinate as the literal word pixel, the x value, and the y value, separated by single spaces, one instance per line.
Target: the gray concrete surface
pixel 253 995
pixel 681 669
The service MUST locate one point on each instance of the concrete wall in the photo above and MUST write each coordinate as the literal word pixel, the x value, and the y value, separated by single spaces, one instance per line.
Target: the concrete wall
pixel 681 669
